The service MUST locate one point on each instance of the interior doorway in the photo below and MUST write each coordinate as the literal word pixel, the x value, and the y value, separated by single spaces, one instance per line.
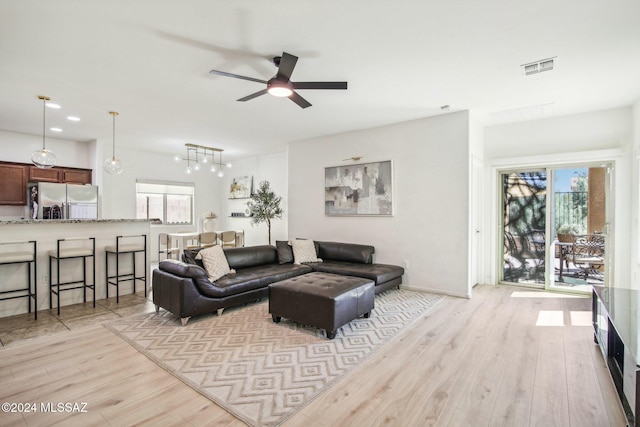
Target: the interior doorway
pixel 555 223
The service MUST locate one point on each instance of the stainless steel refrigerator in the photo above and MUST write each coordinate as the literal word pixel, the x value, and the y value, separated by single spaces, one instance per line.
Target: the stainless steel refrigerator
pixel 67 201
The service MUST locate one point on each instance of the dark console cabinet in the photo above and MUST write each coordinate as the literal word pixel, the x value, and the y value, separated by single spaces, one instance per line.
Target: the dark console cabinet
pixel 615 322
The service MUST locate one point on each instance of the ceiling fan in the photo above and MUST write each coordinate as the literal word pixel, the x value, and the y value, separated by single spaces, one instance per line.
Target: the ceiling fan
pixel 281 85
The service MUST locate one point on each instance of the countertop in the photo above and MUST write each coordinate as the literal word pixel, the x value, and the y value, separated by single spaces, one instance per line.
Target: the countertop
pixel 70 221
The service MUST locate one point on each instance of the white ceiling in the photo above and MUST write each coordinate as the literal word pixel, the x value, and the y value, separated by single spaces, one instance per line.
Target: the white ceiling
pixel 150 60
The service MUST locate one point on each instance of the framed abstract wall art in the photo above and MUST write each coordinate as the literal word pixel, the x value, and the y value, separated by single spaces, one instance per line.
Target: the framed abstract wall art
pixel 359 189
pixel 241 187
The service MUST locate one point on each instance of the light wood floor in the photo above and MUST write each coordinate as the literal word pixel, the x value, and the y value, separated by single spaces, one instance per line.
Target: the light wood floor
pixel 507 357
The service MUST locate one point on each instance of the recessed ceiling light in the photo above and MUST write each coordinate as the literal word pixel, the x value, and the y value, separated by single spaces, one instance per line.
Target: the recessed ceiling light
pixel 73 118
pixel 55 106
pixel 55 129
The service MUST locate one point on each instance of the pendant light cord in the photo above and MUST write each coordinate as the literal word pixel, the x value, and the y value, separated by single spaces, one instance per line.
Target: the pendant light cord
pixel 113 143
pixel 44 114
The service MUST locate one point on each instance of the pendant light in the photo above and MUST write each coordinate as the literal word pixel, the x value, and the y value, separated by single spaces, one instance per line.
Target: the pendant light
pixel 113 165
pixel 43 158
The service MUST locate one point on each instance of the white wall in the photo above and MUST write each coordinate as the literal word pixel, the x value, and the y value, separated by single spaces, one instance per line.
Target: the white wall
pixel 269 167
pixel 580 132
pixel 596 136
pixel 430 228
pixel 635 197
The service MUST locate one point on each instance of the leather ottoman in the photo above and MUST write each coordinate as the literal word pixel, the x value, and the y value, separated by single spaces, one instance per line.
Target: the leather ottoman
pixel 324 300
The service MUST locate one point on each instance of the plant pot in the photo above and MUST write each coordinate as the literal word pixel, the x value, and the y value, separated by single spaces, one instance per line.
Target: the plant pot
pixel 565 238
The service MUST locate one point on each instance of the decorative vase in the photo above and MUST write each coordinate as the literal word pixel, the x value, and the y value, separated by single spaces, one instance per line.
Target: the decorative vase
pixel 206 224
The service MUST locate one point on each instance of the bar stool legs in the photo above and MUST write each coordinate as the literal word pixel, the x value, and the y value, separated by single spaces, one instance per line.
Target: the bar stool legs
pixel 67 253
pixel 15 255
pixel 126 245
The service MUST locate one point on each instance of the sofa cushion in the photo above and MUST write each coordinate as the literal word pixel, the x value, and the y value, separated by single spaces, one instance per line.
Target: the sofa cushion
pixel 251 256
pixel 252 278
pixel 285 252
pixel 215 262
pixel 348 252
pixel 304 251
pixel 182 269
pixel 379 273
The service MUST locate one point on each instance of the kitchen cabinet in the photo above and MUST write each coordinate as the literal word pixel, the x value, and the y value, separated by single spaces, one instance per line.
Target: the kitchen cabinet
pixel 76 176
pixel 60 175
pixel 15 176
pixel 37 174
pixel 13 187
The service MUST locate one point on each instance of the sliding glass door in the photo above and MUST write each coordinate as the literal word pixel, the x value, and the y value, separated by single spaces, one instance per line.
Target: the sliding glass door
pixel 554 226
pixel 580 225
pixel 524 218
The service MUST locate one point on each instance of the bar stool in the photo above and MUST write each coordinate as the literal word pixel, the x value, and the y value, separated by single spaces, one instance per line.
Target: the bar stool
pixel 75 249
pixel 127 245
pixel 16 256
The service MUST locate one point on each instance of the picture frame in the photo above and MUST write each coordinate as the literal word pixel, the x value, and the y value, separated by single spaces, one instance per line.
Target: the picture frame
pixel 362 189
pixel 241 187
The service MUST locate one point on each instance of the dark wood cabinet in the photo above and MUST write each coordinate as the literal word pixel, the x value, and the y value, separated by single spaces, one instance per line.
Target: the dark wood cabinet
pixel 62 175
pixel 37 174
pixel 15 176
pixel 76 176
pixel 13 184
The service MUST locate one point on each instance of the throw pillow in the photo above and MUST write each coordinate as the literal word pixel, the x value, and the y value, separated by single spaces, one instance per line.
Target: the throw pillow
pixel 190 256
pixel 215 262
pixel 285 253
pixel 304 251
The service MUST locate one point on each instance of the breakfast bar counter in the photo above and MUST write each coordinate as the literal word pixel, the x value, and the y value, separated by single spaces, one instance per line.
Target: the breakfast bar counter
pixel 46 234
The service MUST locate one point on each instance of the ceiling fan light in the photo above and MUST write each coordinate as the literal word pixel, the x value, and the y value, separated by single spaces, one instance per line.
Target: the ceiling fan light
pixel 280 90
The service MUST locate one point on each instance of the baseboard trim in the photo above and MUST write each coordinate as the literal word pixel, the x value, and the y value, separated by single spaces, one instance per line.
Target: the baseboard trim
pixel 436 291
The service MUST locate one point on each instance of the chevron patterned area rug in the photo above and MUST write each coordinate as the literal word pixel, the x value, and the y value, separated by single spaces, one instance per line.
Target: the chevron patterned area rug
pixel 264 372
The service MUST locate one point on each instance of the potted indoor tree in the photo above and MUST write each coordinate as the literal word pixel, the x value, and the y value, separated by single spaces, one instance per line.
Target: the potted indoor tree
pixel 264 206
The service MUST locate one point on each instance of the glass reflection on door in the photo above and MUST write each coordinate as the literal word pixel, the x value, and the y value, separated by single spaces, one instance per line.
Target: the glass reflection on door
pixel 524 220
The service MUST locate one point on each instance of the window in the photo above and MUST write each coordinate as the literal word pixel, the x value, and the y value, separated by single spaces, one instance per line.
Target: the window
pixel 171 203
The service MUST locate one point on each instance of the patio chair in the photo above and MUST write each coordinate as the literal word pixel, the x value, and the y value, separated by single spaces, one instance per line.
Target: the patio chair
pixel 587 254
pixel 535 247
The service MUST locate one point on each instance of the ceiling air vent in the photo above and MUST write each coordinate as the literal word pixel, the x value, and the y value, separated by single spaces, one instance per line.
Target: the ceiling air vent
pixel 538 66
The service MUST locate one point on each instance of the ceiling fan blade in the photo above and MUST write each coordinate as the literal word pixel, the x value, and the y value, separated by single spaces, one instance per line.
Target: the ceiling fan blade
pixel 319 85
pixel 303 103
pixel 287 64
pixel 253 95
pixel 236 76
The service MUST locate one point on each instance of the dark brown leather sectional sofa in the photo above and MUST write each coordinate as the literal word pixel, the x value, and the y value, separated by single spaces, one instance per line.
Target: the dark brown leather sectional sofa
pixel 184 289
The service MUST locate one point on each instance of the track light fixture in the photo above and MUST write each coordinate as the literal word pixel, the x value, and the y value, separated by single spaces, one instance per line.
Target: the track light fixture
pixel 198 155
